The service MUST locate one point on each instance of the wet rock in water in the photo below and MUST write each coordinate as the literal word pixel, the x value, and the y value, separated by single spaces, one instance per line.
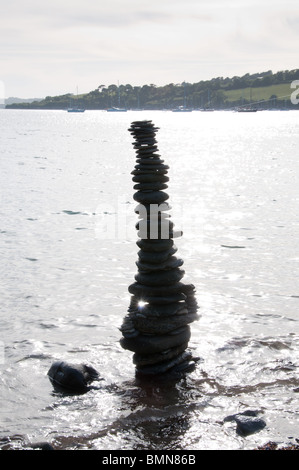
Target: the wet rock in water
pixel 41 446
pixel 20 442
pixel 162 306
pixel 274 446
pixel 248 422
pixel 73 378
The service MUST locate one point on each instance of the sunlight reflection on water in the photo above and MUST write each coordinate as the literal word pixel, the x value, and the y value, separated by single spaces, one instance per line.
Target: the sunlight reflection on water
pixel 233 189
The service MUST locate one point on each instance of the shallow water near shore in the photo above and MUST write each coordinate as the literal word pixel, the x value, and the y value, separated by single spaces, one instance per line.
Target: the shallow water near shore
pixel 68 252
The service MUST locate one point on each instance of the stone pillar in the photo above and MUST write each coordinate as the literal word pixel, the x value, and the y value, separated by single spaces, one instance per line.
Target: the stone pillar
pixel 162 306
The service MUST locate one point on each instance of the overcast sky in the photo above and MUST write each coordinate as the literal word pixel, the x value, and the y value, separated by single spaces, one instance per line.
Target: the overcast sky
pixel 53 47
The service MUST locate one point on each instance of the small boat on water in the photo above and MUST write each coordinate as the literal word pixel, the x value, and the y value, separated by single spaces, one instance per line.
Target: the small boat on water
pixel 246 110
pixel 182 109
pixel 75 110
pixel 116 110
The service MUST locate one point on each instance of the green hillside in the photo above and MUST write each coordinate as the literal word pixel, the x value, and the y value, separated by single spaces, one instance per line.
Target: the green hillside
pixel 266 89
pixel 272 94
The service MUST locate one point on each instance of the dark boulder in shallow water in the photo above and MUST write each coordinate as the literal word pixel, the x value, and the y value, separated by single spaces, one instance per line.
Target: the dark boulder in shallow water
pixel 74 378
pixel 247 425
pixel 248 422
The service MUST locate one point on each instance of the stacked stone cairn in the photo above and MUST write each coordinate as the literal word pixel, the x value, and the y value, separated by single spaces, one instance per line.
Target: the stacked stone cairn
pixel 156 327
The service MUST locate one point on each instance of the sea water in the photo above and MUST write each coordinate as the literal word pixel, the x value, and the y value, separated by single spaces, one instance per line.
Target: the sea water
pixel 68 251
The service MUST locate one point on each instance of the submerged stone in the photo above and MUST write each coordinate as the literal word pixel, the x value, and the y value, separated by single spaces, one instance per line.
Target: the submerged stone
pixel 164 366
pixel 72 377
pixel 143 359
pixel 247 425
pixel 248 422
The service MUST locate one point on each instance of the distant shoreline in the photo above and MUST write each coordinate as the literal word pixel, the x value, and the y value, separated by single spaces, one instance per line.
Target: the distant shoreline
pixel 265 90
